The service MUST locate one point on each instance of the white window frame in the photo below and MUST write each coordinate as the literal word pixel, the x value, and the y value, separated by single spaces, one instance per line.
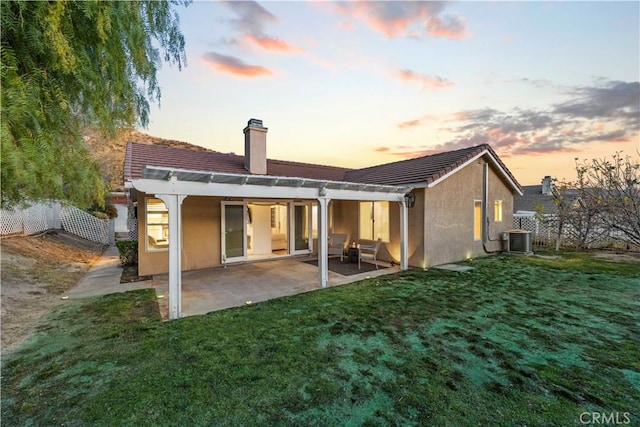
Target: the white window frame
pixel 162 222
pixel 371 234
pixel 498 210
pixel 477 225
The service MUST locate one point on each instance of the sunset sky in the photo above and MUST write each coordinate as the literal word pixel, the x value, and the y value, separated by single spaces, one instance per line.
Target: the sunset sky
pixel 356 84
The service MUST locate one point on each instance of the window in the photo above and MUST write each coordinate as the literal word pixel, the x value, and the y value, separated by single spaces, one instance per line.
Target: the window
pixel 314 218
pixel 374 220
pixel 497 211
pixel 477 220
pixel 157 225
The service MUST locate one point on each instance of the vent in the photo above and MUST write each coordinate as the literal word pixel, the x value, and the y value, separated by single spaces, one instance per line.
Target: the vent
pixel 520 242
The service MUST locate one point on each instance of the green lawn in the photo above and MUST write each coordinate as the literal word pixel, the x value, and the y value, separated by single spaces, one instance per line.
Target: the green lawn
pixel 515 341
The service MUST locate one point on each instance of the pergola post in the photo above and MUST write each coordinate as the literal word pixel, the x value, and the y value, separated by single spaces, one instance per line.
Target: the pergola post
pixel 174 206
pixel 323 244
pixel 404 235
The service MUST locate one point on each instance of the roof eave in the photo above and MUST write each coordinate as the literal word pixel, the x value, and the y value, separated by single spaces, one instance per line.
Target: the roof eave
pixel 514 185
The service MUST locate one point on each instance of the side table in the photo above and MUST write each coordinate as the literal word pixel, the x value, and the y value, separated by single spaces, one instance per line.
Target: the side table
pixel 353 253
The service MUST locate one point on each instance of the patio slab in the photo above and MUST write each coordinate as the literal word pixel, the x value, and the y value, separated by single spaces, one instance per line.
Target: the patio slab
pixel 454 267
pixel 213 289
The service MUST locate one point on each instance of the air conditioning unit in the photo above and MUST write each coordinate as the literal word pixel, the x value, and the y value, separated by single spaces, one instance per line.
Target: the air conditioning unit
pixel 520 242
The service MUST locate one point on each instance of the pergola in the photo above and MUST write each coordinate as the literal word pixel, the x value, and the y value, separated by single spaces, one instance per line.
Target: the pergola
pixel 172 186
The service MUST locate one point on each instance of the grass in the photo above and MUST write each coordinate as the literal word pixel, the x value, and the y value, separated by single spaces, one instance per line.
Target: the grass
pixel 515 341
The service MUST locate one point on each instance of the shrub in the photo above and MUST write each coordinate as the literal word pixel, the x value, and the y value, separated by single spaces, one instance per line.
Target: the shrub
pixel 128 250
pixel 100 215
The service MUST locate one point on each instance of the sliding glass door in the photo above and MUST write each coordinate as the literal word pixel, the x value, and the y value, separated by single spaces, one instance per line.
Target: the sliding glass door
pixel 302 231
pixel 256 229
pixel 234 233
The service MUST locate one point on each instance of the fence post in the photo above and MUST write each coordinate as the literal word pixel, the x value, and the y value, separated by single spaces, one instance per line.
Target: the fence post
pixel 55 211
pixel 111 231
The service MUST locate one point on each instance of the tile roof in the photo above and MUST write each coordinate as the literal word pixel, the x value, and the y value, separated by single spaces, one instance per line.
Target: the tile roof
pixel 532 199
pixel 425 169
pixel 140 155
pixel 421 169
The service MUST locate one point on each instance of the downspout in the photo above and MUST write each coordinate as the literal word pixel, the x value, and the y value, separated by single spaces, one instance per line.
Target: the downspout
pixel 485 202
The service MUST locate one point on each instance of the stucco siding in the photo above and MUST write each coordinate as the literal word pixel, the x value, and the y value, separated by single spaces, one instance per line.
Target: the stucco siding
pixel 200 232
pixel 449 215
pixel 200 237
pixel 346 220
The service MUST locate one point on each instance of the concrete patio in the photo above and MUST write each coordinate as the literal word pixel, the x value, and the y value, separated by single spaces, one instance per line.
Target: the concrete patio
pixel 218 288
pixel 237 285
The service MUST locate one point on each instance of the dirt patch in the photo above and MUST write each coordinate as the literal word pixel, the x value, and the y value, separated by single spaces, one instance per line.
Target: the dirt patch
pixel 130 274
pixel 36 270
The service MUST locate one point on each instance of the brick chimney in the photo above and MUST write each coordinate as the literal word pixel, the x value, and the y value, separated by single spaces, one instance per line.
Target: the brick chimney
pixel 255 147
pixel 547 186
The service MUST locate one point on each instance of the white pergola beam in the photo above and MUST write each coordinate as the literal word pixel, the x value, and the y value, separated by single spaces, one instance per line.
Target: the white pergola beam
pixel 194 188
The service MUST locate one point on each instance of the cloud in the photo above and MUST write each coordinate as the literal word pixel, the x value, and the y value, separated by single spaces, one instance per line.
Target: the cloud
pixel 608 112
pixel 251 16
pixel 417 122
pixel 615 99
pixel 271 43
pixel 395 18
pixel 450 27
pixel 233 65
pixel 251 22
pixel 428 82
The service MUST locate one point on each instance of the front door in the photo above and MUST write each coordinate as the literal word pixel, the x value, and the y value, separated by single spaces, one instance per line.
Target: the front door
pixel 234 233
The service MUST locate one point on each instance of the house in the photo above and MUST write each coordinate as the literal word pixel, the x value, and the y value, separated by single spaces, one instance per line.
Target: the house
pixel 201 209
pixel 536 198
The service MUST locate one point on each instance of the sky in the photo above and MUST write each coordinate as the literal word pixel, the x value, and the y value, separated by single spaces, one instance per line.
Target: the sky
pixel 357 83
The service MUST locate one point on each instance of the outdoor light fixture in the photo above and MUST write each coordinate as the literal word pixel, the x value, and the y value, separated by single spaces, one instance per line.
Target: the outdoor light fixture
pixel 410 200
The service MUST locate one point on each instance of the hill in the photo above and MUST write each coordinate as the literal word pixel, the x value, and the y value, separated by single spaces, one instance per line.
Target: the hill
pixel 110 152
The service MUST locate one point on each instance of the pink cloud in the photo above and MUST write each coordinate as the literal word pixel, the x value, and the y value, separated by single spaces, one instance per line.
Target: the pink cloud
pixel 410 123
pixel 271 43
pixel 451 27
pixel 233 66
pixel 394 18
pixel 428 82
pixel 416 122
pixel 345 25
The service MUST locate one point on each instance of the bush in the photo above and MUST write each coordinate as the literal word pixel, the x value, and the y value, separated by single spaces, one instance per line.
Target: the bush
pixel 128 250
pixel 100 215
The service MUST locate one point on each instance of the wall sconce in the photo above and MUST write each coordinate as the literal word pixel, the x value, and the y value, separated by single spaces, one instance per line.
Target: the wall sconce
pixel 410 200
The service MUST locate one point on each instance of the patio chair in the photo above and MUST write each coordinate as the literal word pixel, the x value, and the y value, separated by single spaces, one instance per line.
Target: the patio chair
pixel 337 243
pixel 369 252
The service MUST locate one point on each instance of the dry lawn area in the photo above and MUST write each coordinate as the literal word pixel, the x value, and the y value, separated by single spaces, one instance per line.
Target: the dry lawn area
pixel 36 271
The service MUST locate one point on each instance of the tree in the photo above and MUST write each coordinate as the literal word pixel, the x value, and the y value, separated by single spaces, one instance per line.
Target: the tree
pixel 618 184
pixel 67 65
pixel 605 197
pixel 578 210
